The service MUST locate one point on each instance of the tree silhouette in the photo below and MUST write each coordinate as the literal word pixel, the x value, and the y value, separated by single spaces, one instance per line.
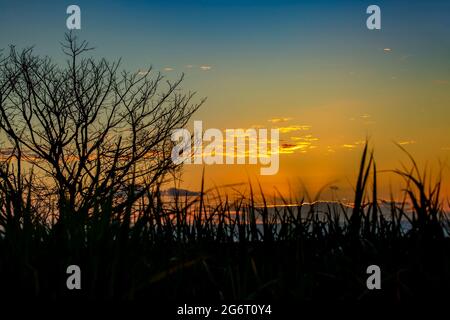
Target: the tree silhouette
pixel 84 133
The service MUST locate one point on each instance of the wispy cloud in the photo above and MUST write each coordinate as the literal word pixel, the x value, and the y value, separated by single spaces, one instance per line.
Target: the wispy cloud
pixel 168 69
pixel 143 72
pixel 354 145
pixel 308 137
pixel 294 128
pixel 406 142
pixel 330 149
pixel 289 148
pixel 279 120
pixel 205 67
pixel 302 144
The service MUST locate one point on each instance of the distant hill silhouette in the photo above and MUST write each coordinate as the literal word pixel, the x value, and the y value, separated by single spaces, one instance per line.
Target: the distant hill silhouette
pixel 180 192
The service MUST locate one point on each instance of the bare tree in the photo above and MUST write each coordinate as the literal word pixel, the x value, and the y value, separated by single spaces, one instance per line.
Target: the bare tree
pixel 89 131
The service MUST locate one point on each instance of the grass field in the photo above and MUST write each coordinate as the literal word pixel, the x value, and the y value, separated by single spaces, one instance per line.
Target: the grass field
pixel 231 249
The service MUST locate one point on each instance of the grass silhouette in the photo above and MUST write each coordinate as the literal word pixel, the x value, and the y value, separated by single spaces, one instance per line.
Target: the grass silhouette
pixel 232 249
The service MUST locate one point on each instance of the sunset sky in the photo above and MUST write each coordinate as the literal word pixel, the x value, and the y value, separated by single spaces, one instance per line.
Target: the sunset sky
pixel 310 68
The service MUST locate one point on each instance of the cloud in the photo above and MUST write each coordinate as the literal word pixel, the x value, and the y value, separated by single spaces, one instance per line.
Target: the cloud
pixel 387 50
pixel 168 69
pixel 180 192
pixel 289 148
pixel 404 143
pixel 278 120
pixel 302 144
pixel 288 145
pixel 308 137
pixel 366 118
pixel 330 149
pixel 294 128
pixel 205 67
pixel 351 146
pixel 143 72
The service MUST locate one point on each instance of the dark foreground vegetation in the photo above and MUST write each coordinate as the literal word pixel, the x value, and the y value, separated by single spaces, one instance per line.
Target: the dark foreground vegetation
pixel 86 152
pixel 232 250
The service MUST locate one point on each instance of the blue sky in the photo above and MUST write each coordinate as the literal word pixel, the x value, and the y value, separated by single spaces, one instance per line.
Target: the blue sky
pixel 314 62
